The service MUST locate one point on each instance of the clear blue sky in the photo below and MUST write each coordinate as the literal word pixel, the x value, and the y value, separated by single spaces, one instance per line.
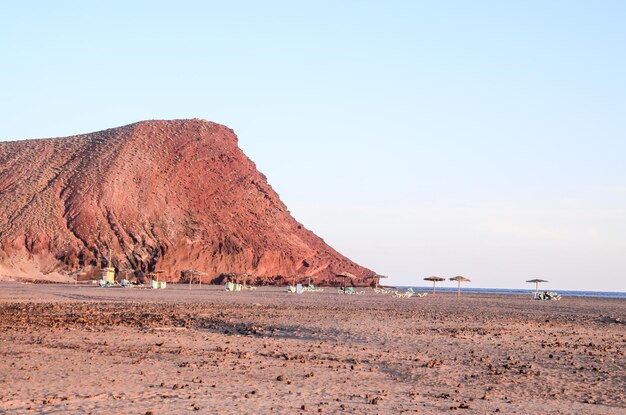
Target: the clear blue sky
pixel 481 138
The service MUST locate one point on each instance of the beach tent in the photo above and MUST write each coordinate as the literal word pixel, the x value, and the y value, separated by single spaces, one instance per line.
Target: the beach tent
pixel 459 279
pixel 435 280
pixel 536 281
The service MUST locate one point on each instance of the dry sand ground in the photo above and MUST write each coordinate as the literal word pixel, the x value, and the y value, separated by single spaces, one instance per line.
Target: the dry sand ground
pixel 79 349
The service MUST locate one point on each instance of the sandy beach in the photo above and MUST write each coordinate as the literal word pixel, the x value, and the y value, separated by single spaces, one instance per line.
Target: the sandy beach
pixel 88 350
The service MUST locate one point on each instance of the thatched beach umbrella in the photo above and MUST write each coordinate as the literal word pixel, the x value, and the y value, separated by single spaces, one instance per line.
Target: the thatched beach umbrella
pixel 536 281
pixel 126 271
pixel 435 280
pixel 246 279
pixel 155 274
pixel 345 276
pixel 459 279
pixel 376 278
pixel 194 273
pixel 293 279
pixel 229 276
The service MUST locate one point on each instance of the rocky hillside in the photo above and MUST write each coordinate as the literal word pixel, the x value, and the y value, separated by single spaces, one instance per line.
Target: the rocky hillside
pixel 162 195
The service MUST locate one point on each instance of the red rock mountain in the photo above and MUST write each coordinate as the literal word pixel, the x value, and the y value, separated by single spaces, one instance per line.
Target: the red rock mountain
pixel 167 195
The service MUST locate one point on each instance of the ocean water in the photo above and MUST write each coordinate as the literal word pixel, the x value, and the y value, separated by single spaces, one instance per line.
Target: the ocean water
pixel 604 294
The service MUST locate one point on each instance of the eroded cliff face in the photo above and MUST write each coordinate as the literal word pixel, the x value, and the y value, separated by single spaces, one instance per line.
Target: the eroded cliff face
pixel 167 195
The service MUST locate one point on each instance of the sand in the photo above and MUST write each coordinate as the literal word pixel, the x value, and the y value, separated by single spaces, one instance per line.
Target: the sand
pixel 83 349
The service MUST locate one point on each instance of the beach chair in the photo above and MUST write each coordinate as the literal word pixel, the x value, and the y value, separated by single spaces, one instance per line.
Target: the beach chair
pixel 547 296
pixel 352 290
pixel 554 296
pixel 291 289
pixel 313 288
pixel 406 294
pixel 415 293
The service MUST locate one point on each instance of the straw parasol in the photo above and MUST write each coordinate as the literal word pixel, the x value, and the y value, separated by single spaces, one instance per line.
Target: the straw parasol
pixel 246 278
pixel 376 278
pixel 536 281
pixel 459 279
pixel 345 276
pixel 194 273
pixel 293 279
pixel 126 271
pixel 155 274
pixel 435 280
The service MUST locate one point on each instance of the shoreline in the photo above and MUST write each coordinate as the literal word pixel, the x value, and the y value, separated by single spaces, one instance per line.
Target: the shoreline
pixel 440 290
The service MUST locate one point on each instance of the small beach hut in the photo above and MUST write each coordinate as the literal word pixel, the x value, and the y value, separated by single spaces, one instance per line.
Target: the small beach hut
pixel 459 279
pixel 345 276
pixel 536 281
pixel 435 280
pixel 108 275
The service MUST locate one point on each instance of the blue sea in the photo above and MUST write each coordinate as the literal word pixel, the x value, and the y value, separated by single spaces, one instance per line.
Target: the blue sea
pixel 603 294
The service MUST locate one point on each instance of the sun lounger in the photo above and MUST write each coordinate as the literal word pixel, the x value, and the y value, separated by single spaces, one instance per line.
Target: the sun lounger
pixel 547 296
pixel 406 294
pixel 158 284
pixel 312 288
pixel 351 290
pixel 231 286
pixel 415 293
